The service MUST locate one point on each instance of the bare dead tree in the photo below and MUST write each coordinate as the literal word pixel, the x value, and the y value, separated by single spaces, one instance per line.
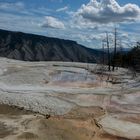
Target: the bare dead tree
pixel 121 52
pixel 115 50
pixel 102 58
pixel 108 51
pixel 103 49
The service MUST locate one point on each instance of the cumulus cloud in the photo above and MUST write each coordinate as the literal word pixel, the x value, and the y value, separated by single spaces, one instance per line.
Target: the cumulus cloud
pixel 51 22
pixel 62 9
pixel 107 11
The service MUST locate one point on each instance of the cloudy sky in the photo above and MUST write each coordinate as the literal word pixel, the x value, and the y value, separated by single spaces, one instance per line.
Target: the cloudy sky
pixel 84 21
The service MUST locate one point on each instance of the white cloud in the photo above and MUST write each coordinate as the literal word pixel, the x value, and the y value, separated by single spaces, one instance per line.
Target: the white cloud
pixel 88 38
pixel 51 22
pixel 107 11
pixel 62 9
pixel 92 20
pixel 11 6
pixel 57 1
pixel 27 24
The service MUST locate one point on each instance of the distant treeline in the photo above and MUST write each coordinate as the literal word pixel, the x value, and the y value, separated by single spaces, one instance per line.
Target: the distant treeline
pixel 130 59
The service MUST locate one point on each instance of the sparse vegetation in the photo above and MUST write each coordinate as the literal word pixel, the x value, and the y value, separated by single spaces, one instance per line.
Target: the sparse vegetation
pixel 131 59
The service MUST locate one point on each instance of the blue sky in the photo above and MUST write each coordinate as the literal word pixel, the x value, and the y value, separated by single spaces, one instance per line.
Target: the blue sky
pixel 84 21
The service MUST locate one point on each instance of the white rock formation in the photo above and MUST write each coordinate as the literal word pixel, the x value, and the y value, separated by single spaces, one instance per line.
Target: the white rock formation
pixel 121 128
pixel 57 87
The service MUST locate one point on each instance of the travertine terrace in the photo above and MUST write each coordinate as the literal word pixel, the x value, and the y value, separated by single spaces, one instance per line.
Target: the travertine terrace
pixel 105 104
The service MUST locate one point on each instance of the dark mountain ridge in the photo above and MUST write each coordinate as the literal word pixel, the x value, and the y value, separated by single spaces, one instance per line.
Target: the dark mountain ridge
pixel 30 47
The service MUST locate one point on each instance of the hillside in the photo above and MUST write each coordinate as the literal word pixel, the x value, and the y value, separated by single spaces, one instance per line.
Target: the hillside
pixel 29 47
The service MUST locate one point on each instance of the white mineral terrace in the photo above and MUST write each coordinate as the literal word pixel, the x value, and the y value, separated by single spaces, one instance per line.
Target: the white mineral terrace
pixel 57 87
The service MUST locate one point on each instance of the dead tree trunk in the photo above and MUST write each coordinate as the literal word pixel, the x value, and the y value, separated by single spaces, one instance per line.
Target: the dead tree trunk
pixel 115 50
pixel 121 53
pixel 108 51
pixel 103 49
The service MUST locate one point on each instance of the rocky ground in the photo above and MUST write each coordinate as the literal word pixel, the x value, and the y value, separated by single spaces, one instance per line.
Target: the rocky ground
pixel 67 101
